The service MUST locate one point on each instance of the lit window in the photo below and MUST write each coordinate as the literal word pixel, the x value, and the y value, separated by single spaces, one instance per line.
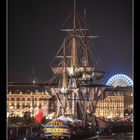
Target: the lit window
pixel 12 99
pixel 18 106
pixel 23 105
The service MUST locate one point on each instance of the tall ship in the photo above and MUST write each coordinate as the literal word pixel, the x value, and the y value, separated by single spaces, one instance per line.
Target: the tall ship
pixel 75 85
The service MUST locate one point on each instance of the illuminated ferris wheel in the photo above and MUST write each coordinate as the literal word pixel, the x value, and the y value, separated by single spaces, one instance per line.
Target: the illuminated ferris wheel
pixel 120 80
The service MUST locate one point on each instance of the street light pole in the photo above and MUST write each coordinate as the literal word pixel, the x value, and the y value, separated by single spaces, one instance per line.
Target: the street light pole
pixel 33 92
pixel 33 104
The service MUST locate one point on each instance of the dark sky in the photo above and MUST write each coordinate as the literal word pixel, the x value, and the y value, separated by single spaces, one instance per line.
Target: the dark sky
pixel 35 35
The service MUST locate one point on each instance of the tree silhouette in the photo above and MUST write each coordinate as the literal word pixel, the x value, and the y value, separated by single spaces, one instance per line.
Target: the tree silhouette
pixel 27 120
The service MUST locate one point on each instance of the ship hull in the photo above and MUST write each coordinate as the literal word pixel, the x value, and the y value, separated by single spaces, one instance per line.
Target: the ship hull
pixel 108 127
pixel 82 133
pixel 82 136
pixel 75 134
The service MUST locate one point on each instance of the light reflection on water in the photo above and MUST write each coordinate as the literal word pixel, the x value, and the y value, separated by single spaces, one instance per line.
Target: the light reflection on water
pixel 113 136
pixel 121 136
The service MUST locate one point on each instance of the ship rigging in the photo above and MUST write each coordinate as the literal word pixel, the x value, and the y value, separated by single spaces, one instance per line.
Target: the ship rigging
pixel 78 90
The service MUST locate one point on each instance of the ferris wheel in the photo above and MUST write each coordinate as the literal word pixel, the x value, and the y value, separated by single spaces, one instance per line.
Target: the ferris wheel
pixel 120 80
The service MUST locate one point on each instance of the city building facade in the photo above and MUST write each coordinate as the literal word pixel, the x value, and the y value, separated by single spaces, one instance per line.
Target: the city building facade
pixel 117 103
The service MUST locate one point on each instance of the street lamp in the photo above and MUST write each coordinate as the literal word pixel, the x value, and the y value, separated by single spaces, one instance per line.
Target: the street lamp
pixel 11 107
pixel 11 110
pixel 126 114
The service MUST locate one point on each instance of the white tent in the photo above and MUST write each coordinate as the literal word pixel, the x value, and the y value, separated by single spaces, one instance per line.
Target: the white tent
pixel 62 118
pixel 77 120
pixel 69 119
pixel 65 119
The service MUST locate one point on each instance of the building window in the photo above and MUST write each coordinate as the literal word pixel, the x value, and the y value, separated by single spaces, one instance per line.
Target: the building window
pixel 23 99
pixel 12 99
pixel 13 104
pixel 40 99
pixel 28 105
pixel 40 105
pixel 18 106
pixel 28 99
pixel 35 105
pixel 23 106
pixel 18 99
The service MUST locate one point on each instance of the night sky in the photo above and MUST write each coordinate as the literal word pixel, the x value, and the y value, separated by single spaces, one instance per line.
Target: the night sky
pixel 35 35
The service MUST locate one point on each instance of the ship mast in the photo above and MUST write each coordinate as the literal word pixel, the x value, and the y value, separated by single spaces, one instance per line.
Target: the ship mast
pixel 74 44
pixel 64 80
pixel 74 17
pixel 74 60
pixel 85 59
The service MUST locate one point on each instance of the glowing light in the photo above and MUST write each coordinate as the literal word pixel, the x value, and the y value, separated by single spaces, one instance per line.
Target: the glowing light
pixel 39 117
pixel 63 90
pixel 7 114
pixel 34 81
pixel 11 107
pixel 21 115
pixel 120 80
pixel 71 71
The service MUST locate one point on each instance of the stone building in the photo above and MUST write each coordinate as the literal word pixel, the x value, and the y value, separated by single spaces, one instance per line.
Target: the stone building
pixel 23 97
pixel 117 103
